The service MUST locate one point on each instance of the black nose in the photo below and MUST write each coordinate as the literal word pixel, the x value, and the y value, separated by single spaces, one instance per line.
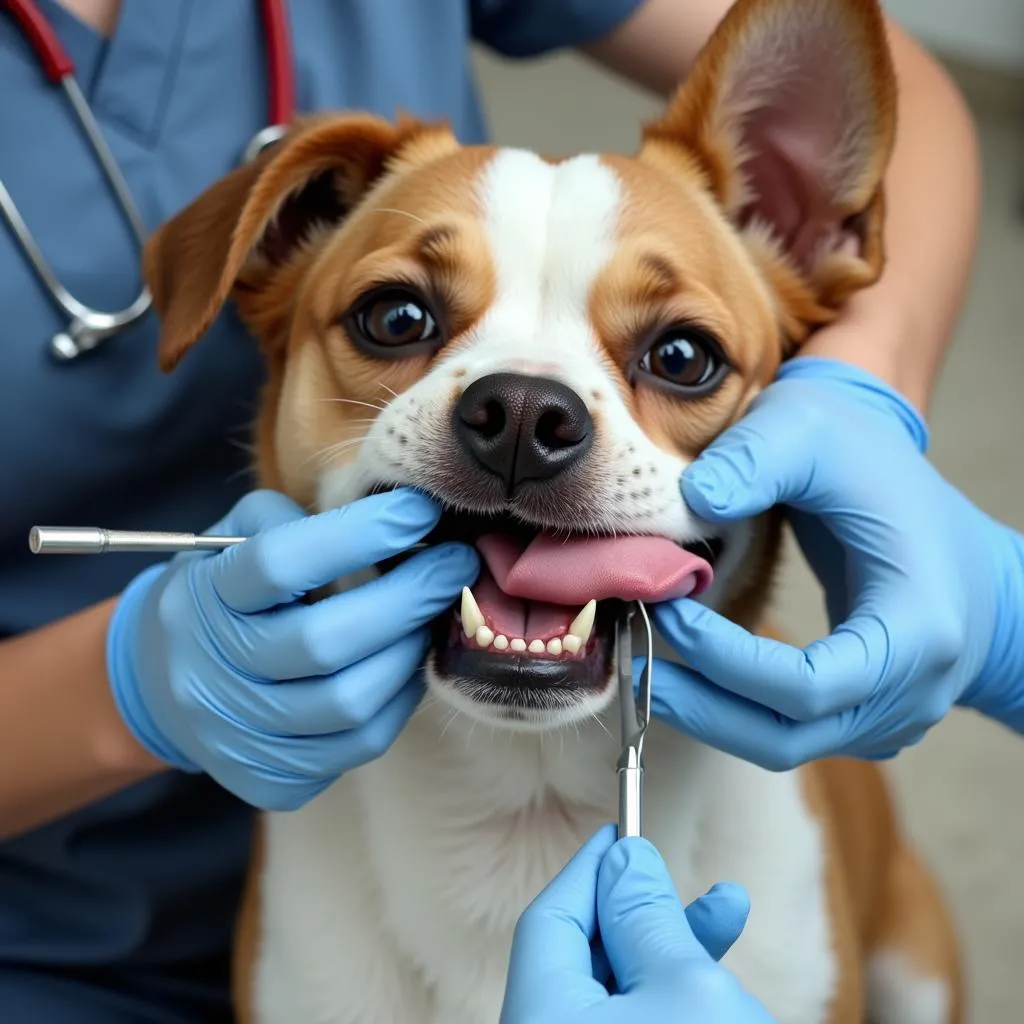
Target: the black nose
pixel 523 428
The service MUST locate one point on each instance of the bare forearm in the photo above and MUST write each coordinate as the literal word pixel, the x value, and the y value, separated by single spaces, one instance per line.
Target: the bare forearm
pixel 900 328
pixel 62 741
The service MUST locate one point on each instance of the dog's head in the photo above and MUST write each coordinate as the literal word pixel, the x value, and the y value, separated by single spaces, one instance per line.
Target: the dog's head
pixel 545 345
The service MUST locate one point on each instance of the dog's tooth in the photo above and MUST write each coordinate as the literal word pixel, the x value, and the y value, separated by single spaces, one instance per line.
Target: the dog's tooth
pixel 582 625
pixel 501 643
pixel 484 636
pixel 572 643
pixel 555 646
pixel 472 617
pixel 518 644
pixel 536 647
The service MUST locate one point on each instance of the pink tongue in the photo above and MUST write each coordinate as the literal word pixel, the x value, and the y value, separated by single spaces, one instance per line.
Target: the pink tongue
pixel 572 572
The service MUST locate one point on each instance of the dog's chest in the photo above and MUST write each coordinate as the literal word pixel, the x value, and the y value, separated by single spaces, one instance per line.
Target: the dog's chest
pixel 394 895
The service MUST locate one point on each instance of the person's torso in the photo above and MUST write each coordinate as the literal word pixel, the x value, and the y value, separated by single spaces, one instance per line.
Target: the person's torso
pixel 150 876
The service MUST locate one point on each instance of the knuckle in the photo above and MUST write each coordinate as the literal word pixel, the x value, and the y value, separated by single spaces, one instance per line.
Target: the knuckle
pixel 265 560
pixel 946 642
pixel 182 691
pixel 315 650
pixel 708 985
pixel 933 711
pixel 351 708
pixel 168 608
pixel 253 506
pixel 278 798
pixel 812 704
pixel 783 758
pixel 376 741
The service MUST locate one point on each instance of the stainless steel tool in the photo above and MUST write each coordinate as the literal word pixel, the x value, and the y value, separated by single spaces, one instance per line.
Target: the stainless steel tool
pixel 93 540
pixel 635 716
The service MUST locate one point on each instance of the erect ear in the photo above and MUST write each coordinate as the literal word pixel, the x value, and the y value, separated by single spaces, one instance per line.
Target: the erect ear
pixel 250 223
pixel 789 116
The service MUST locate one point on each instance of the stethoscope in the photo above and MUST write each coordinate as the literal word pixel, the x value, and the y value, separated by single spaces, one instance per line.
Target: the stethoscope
pixel 88 327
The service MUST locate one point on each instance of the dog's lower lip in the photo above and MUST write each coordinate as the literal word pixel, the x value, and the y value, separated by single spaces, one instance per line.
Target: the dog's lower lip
pixel 494 676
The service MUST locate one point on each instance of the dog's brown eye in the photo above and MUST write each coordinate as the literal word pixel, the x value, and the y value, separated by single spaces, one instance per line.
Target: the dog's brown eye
pixel 396 318
pixel 684 359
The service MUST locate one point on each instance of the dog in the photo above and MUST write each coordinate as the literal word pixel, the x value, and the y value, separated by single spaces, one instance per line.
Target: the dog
pixel 544 345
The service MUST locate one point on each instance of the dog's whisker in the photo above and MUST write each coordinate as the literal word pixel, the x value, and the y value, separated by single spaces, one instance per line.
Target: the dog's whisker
pixel 455 713
pixel 324 455
pixel 597 718
pixel 356 401
pixel 401 213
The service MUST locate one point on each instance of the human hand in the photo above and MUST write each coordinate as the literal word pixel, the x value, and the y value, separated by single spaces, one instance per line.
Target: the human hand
pixel 660 959
pixel 217 664
pixel 921 586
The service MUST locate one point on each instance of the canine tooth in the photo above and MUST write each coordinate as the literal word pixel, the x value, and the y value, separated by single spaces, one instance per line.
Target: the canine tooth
pixel 555 646
pixel 517 644
pixel 572 643
pixel 472 617
pixel 501 642
pixel 536 647
pixel 582 625
pixel 484 636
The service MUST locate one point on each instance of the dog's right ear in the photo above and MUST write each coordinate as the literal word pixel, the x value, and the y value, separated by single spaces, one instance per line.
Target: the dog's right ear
pixel 789 118
pixel 252 222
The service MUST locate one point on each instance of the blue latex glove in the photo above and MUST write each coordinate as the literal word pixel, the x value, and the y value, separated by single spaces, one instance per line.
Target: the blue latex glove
pixel 217 665
pixel 662 959
pixel 924 591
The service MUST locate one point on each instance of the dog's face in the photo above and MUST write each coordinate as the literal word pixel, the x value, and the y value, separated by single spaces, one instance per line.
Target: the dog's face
pixel 545 345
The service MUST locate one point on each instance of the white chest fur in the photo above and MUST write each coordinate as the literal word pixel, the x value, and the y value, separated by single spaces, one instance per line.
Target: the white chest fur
pixel 393 896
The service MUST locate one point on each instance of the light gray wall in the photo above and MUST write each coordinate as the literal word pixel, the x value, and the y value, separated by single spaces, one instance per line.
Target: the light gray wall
pixel 989 32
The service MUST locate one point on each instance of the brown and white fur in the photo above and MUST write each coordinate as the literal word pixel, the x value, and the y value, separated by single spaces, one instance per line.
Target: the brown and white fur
pixel 753 209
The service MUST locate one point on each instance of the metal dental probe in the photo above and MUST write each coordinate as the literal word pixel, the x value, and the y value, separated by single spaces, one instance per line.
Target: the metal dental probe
pixel 94 540
pixel 634 718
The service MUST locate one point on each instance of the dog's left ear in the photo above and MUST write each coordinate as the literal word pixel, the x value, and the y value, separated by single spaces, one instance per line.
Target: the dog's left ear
pixel 789 118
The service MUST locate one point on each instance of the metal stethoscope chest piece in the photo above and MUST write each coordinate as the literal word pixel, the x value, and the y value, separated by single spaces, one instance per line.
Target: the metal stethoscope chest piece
pixel 88 327
pixel 635 715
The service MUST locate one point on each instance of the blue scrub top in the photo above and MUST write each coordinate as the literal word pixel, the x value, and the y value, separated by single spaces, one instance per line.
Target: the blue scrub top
pixel 123 911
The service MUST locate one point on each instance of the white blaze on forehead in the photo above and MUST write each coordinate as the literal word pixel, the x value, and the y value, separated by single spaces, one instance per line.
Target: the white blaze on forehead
pixel 551 230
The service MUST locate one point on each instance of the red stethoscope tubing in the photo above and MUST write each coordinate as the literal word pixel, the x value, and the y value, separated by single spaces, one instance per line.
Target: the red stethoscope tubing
pixel 87 327
pixel 57 65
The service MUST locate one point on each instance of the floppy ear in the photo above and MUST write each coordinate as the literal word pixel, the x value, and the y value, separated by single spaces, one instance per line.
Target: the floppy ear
pixel 789 118
pixel 250 224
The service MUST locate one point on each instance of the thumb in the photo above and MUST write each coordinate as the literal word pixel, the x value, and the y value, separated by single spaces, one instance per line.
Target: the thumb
pixel 718 917
pixel 767 458
pixel 644 929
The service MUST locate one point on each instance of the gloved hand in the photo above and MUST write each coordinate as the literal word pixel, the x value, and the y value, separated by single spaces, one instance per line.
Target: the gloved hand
pixel 661 960
pixel 925 592
pixel 217 665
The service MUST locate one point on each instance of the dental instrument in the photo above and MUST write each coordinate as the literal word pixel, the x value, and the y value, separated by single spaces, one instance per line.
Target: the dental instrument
pixel 635 716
